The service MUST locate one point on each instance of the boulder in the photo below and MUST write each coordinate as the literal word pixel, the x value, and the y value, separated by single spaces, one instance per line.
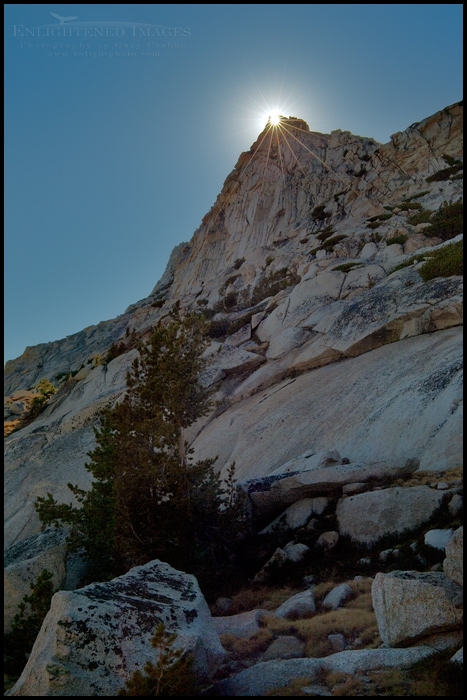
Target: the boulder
pixel 300 605
pixel 328 540
pixel 94 638
pixel 266 676
pixel 291 553
pixel 242 625
pixel 369 516
pixel 25 561
pixel 439 539
pixel 454 562
pixel 298 514
pixel 337 597
pixel 284 647
pixel 337 642
pixel 411 605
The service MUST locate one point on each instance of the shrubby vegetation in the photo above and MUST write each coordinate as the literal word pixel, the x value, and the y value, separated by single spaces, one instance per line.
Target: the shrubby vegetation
pixel 399 238
pixel 172 675
pixel 27 623
pixel 444 262
pixel 448 221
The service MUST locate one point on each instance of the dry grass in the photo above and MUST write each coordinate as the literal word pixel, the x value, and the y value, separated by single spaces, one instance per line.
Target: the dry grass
pixel 427 477
pixel 263 597
pixel 294 689
pixel 245 648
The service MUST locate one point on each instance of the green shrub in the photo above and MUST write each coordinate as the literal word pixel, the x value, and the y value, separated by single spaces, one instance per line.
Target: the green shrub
pixel 399 238
pixel 272 283
pixel 346 267
pixel 448 221
pixel 379 217
pixel 325 233
pixel 417 196
pixel 407 206
pixel 444 262
pixel 331 242
pixel 319 214
pixel 27 622
pixel 172 675
pixel 445 173
pixel 421 217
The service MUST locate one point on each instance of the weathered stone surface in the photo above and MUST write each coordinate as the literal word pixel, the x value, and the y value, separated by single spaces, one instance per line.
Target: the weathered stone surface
pixel 274 492
pixel 308 461
pixel 241 336
pixel 411 386
pixel 291 553
pixel 337 597
pixel 231 359
pixel 337 642
pixel 454 562
pixel 410 605
pixel 284 647
pixel 298 514
pixel 241 625
pixel 285 341
pixel 369 516
pixel 328 540
pixel 94 638
pixel 265 676
pixel 458 657
pixel 24 562
pixel 300 605
pixel 438 538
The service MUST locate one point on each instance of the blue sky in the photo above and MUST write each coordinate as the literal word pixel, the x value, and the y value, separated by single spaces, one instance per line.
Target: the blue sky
pixel 116 146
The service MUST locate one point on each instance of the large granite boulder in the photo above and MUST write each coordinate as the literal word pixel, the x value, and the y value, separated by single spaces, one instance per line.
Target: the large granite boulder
pixel 369 516
pixel 411 605
pixel 94 638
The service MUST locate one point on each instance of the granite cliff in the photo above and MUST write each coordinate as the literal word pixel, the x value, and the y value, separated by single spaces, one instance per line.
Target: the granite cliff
pixel 318 340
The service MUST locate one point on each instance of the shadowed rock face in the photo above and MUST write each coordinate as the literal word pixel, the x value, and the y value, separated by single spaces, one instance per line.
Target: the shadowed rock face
pixel 93 639
pixel 355 358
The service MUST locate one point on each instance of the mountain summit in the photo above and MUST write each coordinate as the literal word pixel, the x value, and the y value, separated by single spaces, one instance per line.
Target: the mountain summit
pixel 329 329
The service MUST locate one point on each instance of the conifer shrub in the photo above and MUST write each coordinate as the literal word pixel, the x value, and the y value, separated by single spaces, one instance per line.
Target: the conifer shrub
pixel 27 623
pixel 399 238
pixel 448 221
pixel 444 262
pixel 319 214
pixel 172 675
pixel 272 283
pixel 327 232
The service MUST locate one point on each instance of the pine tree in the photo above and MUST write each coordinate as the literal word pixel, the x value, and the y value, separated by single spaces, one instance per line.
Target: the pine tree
pixel 148 500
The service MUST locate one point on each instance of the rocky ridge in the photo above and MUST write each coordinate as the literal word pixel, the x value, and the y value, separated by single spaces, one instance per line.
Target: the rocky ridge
pixel 334 363
pixel 296 256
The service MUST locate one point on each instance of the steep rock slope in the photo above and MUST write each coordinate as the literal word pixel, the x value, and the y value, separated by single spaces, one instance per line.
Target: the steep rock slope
pixel 296 258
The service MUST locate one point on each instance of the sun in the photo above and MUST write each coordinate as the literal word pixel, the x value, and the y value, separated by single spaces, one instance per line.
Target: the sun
pixel 275 118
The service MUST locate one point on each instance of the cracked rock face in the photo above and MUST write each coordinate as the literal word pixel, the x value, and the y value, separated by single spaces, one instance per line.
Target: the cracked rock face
pixel 94 638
